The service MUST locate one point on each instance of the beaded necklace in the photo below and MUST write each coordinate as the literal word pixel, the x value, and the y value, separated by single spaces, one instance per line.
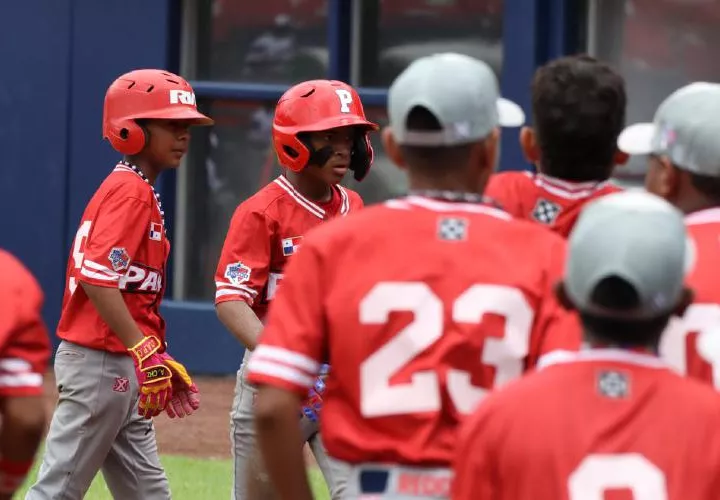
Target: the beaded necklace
pixel 452 196
pixel 135 169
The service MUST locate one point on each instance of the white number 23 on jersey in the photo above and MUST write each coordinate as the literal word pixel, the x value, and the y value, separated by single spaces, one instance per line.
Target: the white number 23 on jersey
pixel 422 394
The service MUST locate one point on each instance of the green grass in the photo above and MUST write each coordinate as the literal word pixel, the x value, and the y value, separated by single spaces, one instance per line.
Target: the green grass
pixel 191 479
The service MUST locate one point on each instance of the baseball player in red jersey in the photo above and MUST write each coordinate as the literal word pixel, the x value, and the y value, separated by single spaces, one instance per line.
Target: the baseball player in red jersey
pixel 319 133
pixel 421 305
pixel 579 111
pixel 112 369
pixel 24 356
pixel 684 168
pixel 611 421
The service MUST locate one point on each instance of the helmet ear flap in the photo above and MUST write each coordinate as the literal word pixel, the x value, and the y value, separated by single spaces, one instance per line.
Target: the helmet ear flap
pixel 127 137
pixel 362 157
pixel 291 152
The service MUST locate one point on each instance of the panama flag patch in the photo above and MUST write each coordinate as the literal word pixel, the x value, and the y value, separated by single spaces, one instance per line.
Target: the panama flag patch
pixel 155 231
pixel 290 245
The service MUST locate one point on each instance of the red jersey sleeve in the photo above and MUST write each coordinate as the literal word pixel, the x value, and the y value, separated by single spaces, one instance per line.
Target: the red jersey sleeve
pixel 555 327
pixel 292 345
pixel 24 342
pixel 474 463
pixel 503 191
pixel 356 202
pixel 242 271
pixel 113 239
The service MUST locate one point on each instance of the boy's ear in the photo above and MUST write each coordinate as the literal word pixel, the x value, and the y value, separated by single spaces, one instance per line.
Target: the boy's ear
pixel 392 148
pixel 562 296
pixel 529 146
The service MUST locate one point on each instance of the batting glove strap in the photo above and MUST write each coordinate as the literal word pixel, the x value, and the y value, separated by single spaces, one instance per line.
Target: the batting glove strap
pixel 144 349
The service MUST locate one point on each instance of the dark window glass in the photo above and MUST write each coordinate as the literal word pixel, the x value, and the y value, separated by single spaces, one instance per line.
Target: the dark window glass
pixel 394 33
pixel 263 41
pixel 659 45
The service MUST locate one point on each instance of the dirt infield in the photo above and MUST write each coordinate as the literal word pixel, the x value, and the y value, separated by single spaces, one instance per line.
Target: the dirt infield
pixel 205 434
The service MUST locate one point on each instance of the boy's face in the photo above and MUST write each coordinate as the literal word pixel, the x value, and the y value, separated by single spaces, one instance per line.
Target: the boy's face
pixel 340 143
pixel 168 142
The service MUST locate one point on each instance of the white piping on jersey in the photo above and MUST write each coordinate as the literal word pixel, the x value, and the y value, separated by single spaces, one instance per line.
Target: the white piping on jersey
pixel 16 372
pixel 230 289
pixel 122 168
pixel 566 189
pixel 397 204
pixel 309 205
pixel 278 362
pixel 242 293
pixel 302 201
pixel 345 205
pixel 237 287
pixel 605 354
pixel 445 206
pixel 707 216
pixel 99 267
pixel 21 380
pixel 98 271
pixel 15 365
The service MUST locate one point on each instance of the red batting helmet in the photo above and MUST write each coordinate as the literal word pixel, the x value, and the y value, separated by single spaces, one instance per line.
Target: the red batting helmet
pixel 318 105
pixel 148 94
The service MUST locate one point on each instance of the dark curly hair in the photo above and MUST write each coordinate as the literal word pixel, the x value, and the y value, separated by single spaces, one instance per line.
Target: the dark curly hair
pixel 579 111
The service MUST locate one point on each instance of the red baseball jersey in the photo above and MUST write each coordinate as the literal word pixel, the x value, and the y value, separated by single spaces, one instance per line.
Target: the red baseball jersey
pixel 265 231
pixel 692 344
pixel 599 424
pixel 421 307
pixel 24 342
pixel 551 202
pixel 121 243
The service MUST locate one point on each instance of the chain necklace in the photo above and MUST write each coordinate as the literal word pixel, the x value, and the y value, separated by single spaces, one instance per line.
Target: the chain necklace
pixel 155 193
pixel 452 196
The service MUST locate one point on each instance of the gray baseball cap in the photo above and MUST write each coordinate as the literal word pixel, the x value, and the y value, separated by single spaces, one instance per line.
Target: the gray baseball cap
pixel 638 237
pixel 686 129
pixel 462 93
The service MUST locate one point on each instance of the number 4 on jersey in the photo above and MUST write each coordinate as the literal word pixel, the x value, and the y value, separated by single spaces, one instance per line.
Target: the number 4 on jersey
pixel 79 251
pixel 378 397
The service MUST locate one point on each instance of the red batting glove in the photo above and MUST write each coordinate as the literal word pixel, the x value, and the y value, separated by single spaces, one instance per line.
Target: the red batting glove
pixel 183 403
pixel 186 396
pixel 153 375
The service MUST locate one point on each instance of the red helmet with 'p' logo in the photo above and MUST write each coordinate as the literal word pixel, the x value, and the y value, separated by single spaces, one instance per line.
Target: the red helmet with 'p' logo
pixel 318 105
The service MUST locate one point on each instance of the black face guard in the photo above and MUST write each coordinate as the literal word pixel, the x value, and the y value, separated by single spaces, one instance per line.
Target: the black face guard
pixel 360 157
